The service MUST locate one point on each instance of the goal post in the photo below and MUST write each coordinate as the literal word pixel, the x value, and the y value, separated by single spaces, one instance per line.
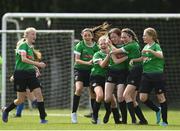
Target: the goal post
pixel 167 26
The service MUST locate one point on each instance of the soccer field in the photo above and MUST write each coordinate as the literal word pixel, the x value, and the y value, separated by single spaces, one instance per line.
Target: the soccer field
pixel 60 120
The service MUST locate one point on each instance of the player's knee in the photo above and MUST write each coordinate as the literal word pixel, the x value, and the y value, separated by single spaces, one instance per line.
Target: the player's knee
pixel 142 98
pixel 18 101
pixel 107 99
pixel 78 91
pixel 113 104
pixel 161 98
pixel 135 103
pixel 120 98
pixel 40 98
pixel 99 97
pixel 127 96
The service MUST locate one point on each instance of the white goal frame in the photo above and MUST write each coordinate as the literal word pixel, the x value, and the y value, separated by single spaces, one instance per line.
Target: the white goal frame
pixel 10 17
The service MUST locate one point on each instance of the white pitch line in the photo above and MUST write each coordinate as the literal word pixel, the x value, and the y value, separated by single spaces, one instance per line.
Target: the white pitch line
pixel 50 114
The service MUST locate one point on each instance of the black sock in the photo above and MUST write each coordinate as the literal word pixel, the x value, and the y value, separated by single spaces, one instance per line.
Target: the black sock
pixel 116 115
pixel 139 114
pixel 96 108
pixel 92 103
pixel 10 107
pixel 131 111
pixel 164 111
pixel 151 105
pixel 41 109
pixel 107 106
pixel 108 112
pixel 123 109
pixel 75 103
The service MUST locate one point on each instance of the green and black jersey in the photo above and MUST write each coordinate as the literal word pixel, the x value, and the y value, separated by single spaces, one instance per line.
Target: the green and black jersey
pixel 120 66
pixel 97 69
pixel 24 48
pixel 86 54
pixel 132 50
pixel 151 63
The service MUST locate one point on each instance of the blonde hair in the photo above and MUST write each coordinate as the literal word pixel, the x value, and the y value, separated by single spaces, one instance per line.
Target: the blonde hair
pixel 102 38
pixel 152 32
pixel 100 30
pixel 27 30
pixel 37 53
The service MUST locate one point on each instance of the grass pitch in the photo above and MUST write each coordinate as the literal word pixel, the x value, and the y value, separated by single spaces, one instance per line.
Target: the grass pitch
pixel 60 120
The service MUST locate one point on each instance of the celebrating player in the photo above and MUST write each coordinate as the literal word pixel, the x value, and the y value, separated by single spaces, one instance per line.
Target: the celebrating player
pixel 25 75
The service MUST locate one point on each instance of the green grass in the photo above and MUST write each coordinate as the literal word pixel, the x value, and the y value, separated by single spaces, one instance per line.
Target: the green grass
pixel 60 120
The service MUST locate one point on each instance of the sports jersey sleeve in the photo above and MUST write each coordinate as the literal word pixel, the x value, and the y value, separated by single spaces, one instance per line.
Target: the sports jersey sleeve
pixel 126 48
pixel 78 49
pixel 158 48
pixel 96 58
pixel 22 49
pixel 97 48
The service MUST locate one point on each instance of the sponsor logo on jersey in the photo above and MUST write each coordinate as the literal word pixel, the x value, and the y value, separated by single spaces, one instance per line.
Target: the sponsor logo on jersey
pixel 29 57
pixel 88 56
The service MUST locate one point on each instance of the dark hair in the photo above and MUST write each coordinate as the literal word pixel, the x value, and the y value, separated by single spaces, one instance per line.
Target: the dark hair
pixel 87 29
pixel 114 30
pixel 130 33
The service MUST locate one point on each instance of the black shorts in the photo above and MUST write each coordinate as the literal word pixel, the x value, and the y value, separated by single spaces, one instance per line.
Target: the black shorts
pixel 134 76
pixel 83 76
pixel 152 81
pixel 117 76
pixel 97 81
pixel 25 80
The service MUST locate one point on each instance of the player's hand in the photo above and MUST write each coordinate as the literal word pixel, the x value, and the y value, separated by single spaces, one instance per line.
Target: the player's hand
pixel 109 42
pixel 41 65
pixel 90 62
pixel 131 62
pixel 110 53
pixel 38 73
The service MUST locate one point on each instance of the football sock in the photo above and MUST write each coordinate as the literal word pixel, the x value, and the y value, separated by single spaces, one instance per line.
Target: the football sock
pixel 123 109
pixel 19 109
pixel 41 109
pixel 75 103
pixel 131 111
pixel 151 105
pixel 10 107
pixel 164 108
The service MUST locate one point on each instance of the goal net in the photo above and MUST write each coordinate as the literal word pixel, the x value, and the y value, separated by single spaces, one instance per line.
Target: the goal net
pixel 167 26
pixel 56 47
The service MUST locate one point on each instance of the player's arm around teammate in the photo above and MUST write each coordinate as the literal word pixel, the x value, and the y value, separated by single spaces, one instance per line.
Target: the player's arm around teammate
pixel 117 72
pixel 132 49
